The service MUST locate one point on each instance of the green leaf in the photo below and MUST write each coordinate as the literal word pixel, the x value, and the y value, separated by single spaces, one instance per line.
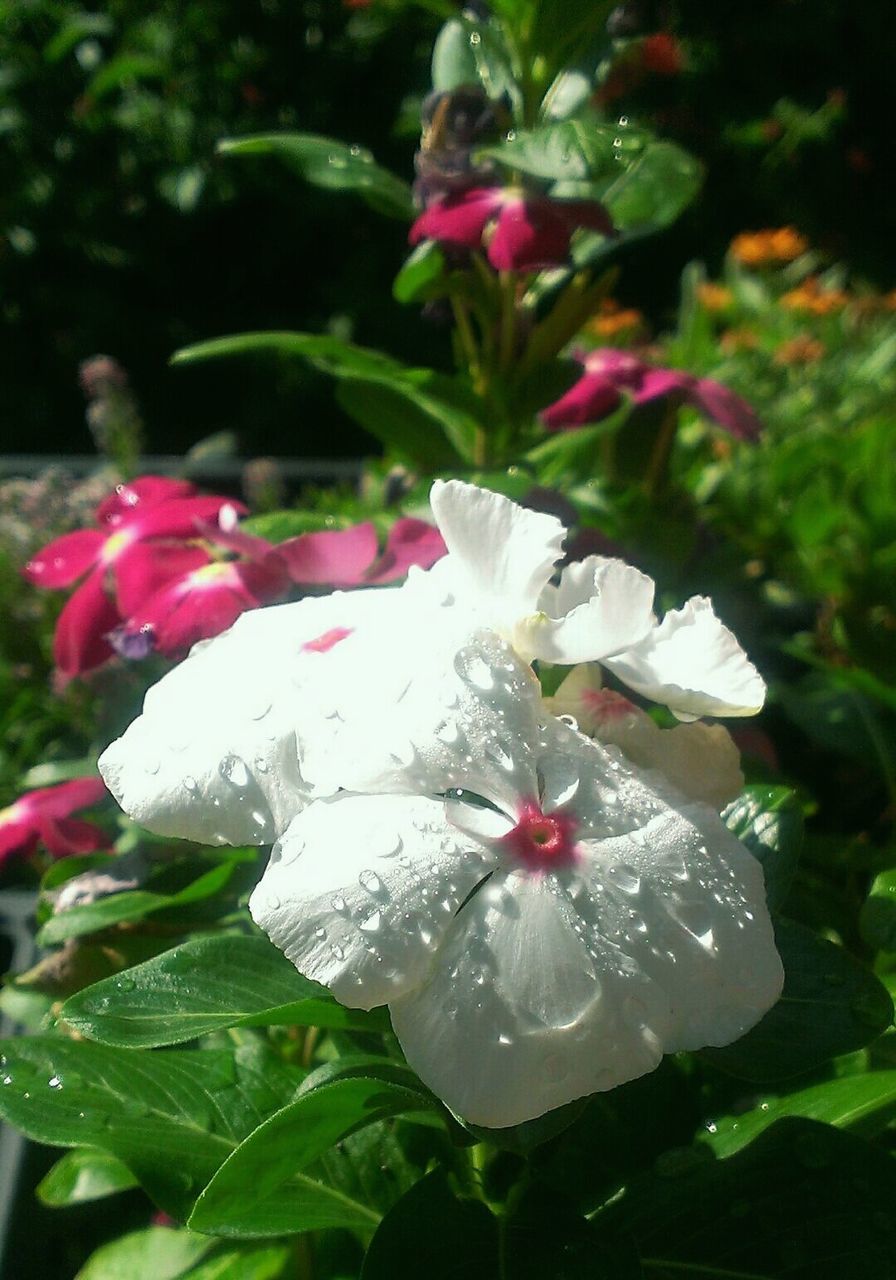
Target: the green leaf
pixel 431 1233
pixel 277 526
pixel 399 423
pixel 655 189
pixel 205 985
pixel 453 63
pixel 546 1237
pixel 324 162
pixel 81 1175
pixel 862 1103
pixel 769 821
pixel 804 1201
pixel 422 276
pixel 134 904
pixel 331 355
pixel 245 1262
pixel 568 151
pixel 123 71
pixel 172 1116
pixel 525 1137
pixel 157 1253
pixel 831 1004
pixel 292 1139
pixel 877 919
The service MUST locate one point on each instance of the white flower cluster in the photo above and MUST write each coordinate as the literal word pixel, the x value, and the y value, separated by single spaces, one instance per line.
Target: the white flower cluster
pixel 541 890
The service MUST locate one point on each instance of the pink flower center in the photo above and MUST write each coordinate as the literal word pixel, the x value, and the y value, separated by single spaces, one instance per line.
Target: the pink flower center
pixel 325 642
pixel 541 841
pixel 607 705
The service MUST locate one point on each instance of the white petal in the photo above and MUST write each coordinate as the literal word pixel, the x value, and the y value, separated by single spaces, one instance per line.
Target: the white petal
pixel 519 1016
pixel 504 554
pixel 685 902
pixel 600 607
pixel 693 664
pixel 217 755
pixel 360 890
pixel 467 718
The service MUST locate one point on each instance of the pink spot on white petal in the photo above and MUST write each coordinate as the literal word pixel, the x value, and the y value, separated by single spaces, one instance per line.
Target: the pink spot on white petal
pixel 541 841
pixel 606 705
pixel 323 643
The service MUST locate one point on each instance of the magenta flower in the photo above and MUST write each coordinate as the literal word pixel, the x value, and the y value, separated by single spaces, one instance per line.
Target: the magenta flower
pixel 523 233
pixel 142 513
pixel 199 604
pixel 350 557
pixel 43 817
pixel 609 374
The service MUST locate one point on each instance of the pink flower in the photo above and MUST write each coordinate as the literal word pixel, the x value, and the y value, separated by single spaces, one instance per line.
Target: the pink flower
pixel 522 233
pixel 42 817
pixel 147 511
pixel 350 557
pixel 610 373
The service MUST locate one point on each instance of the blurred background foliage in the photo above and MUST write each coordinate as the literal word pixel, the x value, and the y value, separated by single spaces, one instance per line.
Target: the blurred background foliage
pixel 122 231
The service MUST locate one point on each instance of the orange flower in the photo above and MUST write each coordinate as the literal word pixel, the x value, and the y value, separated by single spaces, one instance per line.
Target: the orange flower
pixel 812 298
pixel 714 297
pixel 799 350
pixel 734 340
pixel 762 248
pixel 615 322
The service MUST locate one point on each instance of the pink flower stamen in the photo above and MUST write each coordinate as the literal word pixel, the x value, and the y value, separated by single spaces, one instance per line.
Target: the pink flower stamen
pixel 323 643
pixel 541 841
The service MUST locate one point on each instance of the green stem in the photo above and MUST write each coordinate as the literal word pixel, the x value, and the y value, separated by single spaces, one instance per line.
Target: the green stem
pixel 658 463
pixel 507 339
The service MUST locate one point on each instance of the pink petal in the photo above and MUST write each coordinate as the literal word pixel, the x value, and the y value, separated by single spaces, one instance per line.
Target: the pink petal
pixel 336 557
pixel 410 542
pixel 65 798
pixel 530 234
pixel 658 384
pixel 80 642
pixel 591 398
pixel 459 220
pixel 205 603
pixel 178 517
pixel 725 407
pixel 16 837
pixel 622 368
pixel 144 568
pixel 63 836
pixel 145 491
pixel 64 560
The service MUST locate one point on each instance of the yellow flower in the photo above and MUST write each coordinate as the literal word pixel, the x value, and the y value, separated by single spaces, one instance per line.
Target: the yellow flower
pixel 714 297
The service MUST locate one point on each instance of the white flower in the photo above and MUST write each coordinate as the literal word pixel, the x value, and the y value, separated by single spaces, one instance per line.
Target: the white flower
pixel 498 571
pixel 543 921
pixel 231 741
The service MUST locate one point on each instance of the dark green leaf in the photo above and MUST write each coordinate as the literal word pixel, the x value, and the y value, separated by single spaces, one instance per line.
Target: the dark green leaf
pixel 172 1116
pixel 324 162
pixel 532 1133
pixel 863 1103
pixel 546 1237
pixel 292 1139
pixel 837 718
pixel 399 423
pixel 769 821
pixel 432 1233
pixel 205 985
pixel 84 1174
pixel 422 276
pixel 831 1004
pixel 804 1201
pixel 329 354
pixel 277 526
pixel 245 1262
pixel 131 905
pixel 878 915
pixel 568 151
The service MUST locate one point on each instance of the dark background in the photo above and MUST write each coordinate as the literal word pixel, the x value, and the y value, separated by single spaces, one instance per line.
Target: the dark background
pixel 121 232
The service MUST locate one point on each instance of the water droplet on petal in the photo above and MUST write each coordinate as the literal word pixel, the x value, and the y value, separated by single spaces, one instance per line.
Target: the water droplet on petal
pixel 371 924
pixel 474 670
pixel 338 903
pixel 233 770
pixel 370 881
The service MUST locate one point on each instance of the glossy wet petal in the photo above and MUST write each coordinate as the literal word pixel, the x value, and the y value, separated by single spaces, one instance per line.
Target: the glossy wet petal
pixel 80 641
pixel 360 891
pixel 458 220
pixel 336 557
pixel 64 560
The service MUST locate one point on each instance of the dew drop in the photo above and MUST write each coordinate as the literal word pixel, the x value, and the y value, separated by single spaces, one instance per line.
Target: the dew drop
pixel 338 952
pixel 627 880
pixel 474 670
pixel 191 785
pixel 338 903
pixel 55 1082
pixel 370 881
pixel 372 923
pixel 233 770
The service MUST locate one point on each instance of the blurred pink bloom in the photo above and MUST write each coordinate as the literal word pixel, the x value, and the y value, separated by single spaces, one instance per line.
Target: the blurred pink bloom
pixel 350 557
pixel 527 233
pixel 610 373
pixel 149 510
pixel 43 817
